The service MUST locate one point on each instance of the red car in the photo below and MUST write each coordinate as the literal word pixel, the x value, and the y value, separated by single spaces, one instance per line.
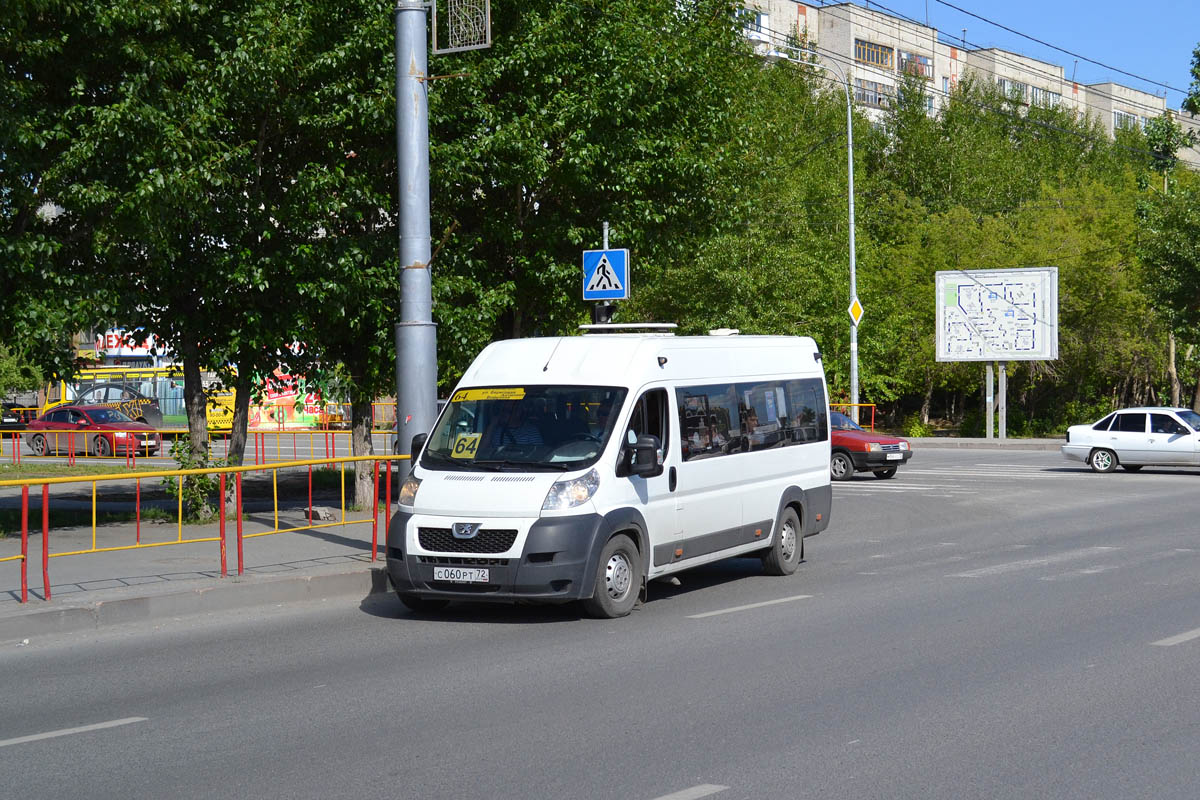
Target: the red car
pixel 98 430
pixel 853 449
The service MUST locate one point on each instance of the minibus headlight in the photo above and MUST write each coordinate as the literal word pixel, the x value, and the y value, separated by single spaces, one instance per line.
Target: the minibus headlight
pixel 408 491
pixel 571 493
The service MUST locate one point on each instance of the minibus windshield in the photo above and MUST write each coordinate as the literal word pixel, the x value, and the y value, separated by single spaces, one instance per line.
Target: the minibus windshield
pixel 523 428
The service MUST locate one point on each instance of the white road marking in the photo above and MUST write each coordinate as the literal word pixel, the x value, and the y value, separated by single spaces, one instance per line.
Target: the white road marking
pixel 1029 563
pixel 978 473
pixel 1180 639
pixel 1075 573
pixel 694 793
pixel 868 484
pixel 99 726
pixel 870 491
pixel 750 606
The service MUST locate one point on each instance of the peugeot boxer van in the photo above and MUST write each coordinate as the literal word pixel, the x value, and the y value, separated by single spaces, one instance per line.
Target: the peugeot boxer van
pixel 582 467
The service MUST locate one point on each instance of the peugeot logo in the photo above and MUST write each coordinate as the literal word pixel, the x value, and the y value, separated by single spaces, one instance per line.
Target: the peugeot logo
pixel 465 530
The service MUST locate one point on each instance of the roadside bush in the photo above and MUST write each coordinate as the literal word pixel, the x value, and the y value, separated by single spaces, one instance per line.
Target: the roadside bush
pixel 199 491
pixel 914 428
pixel 972 424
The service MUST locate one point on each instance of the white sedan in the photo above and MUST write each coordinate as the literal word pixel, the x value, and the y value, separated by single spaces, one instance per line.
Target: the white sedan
pixel 1135 437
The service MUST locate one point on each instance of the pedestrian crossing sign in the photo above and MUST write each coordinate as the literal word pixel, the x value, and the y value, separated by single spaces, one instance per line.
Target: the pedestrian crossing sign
pixel 605 274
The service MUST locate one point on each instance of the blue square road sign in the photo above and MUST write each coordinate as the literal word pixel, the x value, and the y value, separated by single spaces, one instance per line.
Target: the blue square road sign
pixel 605 274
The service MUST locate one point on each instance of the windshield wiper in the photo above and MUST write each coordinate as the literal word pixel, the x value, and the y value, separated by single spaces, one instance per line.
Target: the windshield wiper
pixel 457 463
pixel 532 466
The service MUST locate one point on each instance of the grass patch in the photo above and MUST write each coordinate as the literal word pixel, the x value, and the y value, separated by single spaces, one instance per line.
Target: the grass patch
pixel 10 519
pixel 16 472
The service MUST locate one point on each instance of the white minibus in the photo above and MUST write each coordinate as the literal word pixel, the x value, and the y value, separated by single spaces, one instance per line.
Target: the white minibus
pixel 582 467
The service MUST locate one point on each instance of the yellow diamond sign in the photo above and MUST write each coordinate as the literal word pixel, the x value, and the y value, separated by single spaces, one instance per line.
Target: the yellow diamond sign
pixel 856 310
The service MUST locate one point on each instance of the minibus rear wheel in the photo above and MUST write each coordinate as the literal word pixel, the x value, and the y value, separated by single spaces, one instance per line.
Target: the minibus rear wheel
pixel 787 551
pixel 618 580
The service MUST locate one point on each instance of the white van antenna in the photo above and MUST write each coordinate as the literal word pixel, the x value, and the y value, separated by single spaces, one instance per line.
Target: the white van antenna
pixel 546 366
pixel 629 327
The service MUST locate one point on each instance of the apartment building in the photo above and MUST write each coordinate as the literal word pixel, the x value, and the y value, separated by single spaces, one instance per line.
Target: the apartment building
pixel 874 50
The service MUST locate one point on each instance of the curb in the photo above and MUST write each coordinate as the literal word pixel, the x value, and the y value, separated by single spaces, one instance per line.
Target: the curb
pixel 229 594
pixel 985 444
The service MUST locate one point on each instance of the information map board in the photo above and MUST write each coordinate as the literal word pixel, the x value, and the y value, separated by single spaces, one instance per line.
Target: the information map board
pixel 997 314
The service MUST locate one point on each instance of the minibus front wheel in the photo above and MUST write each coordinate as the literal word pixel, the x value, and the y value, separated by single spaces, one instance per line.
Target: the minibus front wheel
pixel 618 579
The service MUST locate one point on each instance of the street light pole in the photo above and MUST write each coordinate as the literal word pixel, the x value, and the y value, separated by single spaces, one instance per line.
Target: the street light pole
pixel 416 333
pixel 832 67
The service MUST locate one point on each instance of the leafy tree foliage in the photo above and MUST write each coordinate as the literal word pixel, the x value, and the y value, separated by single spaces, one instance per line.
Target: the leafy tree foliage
pixel 205 156
pixel 581 112
pixel 1191 103
pixel 1170 246
pixel 221 173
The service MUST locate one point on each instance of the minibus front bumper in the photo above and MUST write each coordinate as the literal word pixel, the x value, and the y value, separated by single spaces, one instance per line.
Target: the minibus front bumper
pixel 557 564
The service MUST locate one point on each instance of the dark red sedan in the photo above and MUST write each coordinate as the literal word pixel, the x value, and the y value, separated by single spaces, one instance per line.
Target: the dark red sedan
pixel 853 449
pixel 95 430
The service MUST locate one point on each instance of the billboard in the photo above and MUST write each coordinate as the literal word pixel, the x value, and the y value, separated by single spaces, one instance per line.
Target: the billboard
pixel 997 314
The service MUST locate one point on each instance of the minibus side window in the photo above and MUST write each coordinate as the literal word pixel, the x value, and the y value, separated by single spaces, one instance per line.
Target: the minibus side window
pixel 745 417
pixel 807 400
pixel 710 420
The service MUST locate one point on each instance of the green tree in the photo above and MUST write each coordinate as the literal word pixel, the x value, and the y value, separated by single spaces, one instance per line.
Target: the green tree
pixel 581 112
pixel 41 305
pixel 1191 103
pixel 202 153
pixel 1169 245
pixel 17 374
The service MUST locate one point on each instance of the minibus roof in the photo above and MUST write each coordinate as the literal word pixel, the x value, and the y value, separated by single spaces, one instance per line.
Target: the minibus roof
pixel 635 360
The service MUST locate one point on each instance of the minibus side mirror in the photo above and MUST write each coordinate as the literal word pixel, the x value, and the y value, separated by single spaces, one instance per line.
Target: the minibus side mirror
pixel 418 442
pixel 646 460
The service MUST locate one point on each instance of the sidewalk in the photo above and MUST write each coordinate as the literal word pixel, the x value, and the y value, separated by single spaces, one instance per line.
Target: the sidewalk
pixel 924 442
pixel 96 589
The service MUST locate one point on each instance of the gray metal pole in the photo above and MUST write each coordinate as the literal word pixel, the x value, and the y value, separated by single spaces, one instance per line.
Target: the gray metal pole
pixel 832 67
pixel 853 278
pixel 1003 405
pixel 416 335
pixel 991 400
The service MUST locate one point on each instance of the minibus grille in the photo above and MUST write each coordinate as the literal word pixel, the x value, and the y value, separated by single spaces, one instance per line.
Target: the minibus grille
pixel 441 540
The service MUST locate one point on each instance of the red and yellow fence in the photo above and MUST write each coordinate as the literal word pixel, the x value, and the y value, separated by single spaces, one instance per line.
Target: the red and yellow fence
pixel 267 445
pixel 382 467
pixel 859 406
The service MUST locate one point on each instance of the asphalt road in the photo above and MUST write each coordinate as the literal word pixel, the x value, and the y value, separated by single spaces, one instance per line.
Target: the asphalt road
pixel 986 625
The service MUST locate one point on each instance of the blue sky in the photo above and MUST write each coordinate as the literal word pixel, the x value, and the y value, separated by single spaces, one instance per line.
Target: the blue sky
pixel 1151 38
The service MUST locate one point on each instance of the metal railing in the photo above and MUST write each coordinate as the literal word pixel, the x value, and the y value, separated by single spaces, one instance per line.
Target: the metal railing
pixel 223 473
pixel 858 405
pixel 314 443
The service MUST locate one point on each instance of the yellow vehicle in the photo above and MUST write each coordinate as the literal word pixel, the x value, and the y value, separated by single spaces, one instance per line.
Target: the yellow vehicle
pixel 153 395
